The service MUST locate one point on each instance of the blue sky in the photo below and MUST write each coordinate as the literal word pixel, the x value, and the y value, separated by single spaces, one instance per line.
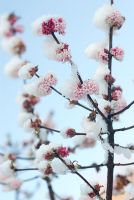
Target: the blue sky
pixel 80 32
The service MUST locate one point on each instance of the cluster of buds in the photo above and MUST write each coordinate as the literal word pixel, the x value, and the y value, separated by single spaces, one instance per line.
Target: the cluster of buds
pixel 10 28
pixel 63 53
pixel 116 93
pixel 115 20
pixel 53 24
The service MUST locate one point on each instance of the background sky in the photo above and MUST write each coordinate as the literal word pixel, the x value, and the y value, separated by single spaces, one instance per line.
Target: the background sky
pixel 80 32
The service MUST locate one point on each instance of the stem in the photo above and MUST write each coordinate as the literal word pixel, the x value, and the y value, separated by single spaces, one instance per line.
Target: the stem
pixel 26 169
pixel 110 163
pixel 124 129
pixel 17 192
pixel 51 192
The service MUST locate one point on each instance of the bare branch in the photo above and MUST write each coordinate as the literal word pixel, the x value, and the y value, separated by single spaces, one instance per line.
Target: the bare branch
pixel 124 129
pixel 124 109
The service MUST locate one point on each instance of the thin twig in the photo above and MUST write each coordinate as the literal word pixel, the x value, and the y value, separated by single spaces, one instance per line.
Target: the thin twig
pixel 124 129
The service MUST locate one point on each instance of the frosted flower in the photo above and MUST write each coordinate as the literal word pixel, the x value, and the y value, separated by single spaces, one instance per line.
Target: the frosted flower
pixel 78 93
pixel 47 152
pixel 107 16
pixel 115 20
pixel 14 45
pixel 93 50
pixel 41 86
pixel 119 105
pixel 116 93
pixel 45 168
pixel 68 132
pixel 118 53
pixel 86 190
pixel 99 77
pixel 47 25
pixel 59 52
pixel 27 71
pixel 8 26
pixel 103 56
pixel 13 66
pixel 90 87
pixel 44 86
pixel 63 53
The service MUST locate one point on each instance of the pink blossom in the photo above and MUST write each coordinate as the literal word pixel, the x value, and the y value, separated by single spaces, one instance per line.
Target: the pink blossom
pixel 63 151
pixel 90 87
pixel 115 20
pixel 63 53
pixel 78 92
pixel 52 25
pixel 118 53
pixel 116 93
pixel 103 56
pixel 45 84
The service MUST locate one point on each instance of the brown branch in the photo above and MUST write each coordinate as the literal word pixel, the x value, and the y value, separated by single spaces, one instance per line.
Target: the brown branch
pixel 81 81
pixel 73 170
pixel 76 103
pixel 124 129
pixel 50 189
pixel 124 109
pixel 124 164
pixel 25 169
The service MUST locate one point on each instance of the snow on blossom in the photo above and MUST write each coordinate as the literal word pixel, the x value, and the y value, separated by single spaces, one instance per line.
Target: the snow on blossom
pixel 99 77
pixel 23 117
pixel 120 150
pixel 27 71
pixel 118 53
pixel 93 50
pixel 58 166
pixel 46 25
pixel 59 52
pixel 107 16
pixel 13 45
pixel 12 67
pixel 8 26
pixel 103 56
pixel 91 128
pixel 88 193
pixel 90 87
pixel 41 86
pixel 45 168
pixel 119 104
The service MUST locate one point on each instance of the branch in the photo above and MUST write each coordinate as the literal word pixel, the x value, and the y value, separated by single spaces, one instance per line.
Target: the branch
pixel 92 166
pixel 25 169
pixel 81 81
pixel 58 131
pixel 124 109
pixel 51 192
pixel 73 170
pixel 124 164
pixel 124 129
pixel 31 179
pixel 76 103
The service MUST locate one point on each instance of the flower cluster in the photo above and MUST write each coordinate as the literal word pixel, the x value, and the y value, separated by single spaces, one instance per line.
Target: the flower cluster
pixel 77 91
pixel 107 16
pixel 47 158
pixel 116 93
pixel 14 45
pixel 58 52
pixel 87 192
pixel 47 25
pixel 27 71
pixel 41 86
pixel 118 53
pixel 103 56
pixel 8 25
pixel 63 53
pixel 115 20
